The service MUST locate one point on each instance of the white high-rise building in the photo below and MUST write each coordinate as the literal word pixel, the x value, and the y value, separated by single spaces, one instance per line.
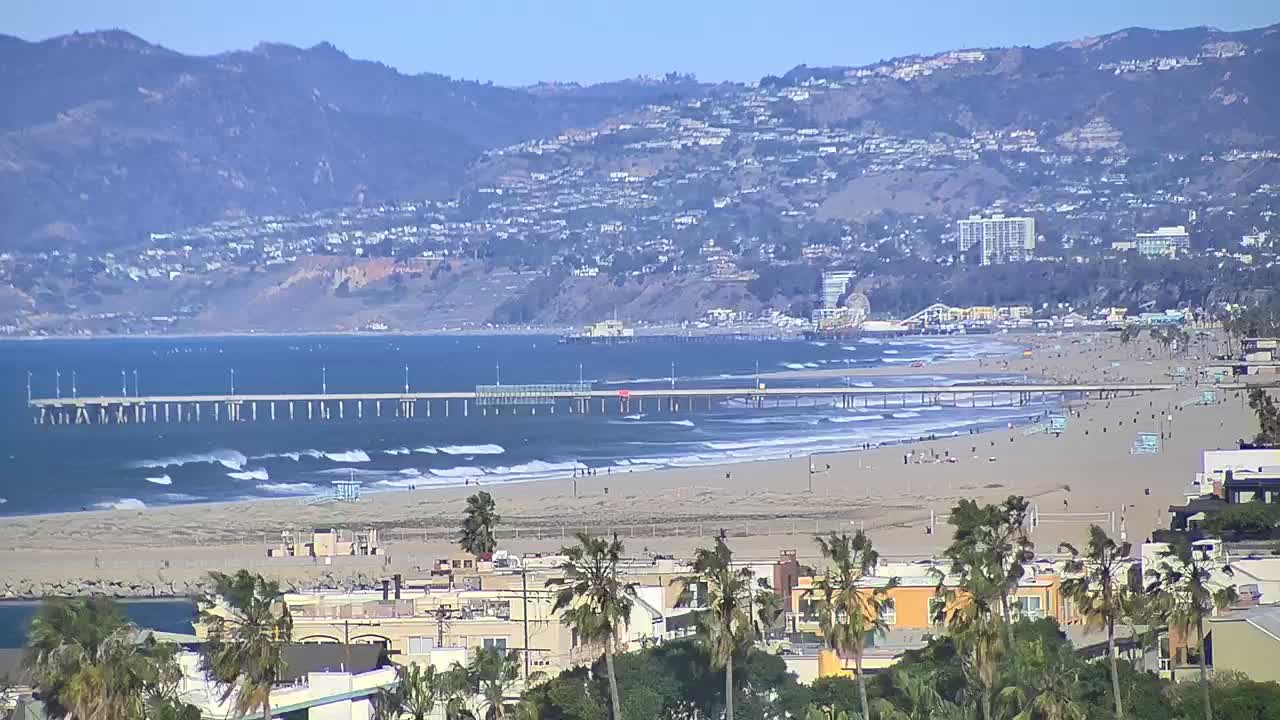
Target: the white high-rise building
pixel 1002 239
pixel 834 285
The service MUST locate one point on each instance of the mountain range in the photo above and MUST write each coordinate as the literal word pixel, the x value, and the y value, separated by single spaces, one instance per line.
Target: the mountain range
pixel 105 137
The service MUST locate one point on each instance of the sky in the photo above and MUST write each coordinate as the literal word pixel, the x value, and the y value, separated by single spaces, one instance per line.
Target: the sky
pixel 520 42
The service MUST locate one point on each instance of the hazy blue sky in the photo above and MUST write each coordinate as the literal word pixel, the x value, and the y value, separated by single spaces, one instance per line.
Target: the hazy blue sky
pixel 517 42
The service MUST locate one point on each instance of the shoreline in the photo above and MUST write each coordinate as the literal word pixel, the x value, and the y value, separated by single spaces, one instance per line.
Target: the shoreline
pixel 765 505
pixel 974 366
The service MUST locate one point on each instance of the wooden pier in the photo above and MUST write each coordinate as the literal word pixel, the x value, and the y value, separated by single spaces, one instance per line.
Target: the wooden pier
pixel 499 400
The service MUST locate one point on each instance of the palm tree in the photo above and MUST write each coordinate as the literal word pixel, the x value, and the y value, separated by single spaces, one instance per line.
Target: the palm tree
pixel 1183 582
pixel 1098 585
pixel 975 626
pixel 417 692
pixel 88 662
pixel 849 612
pixel 726 622
pixel 991 541
pixel 248 626
pixel 489 676
pixel 1049 689
pixel 478 522
pixel 456 689
pixel 768 605
pixel 918 698
pixel 593 600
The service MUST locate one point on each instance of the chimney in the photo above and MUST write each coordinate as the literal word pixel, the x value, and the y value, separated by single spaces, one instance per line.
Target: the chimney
pixel 398 582
pixel 386 589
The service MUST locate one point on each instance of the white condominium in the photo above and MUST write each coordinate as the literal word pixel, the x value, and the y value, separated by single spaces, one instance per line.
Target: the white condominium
pixel 1164 242
pixel 1002 239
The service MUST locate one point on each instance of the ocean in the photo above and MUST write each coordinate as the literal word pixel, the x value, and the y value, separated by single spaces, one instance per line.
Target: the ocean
pixel 45 469
pixel 169 615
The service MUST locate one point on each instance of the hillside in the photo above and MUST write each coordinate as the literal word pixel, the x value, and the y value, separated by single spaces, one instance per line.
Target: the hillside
pixel 237 187
pixel 105 137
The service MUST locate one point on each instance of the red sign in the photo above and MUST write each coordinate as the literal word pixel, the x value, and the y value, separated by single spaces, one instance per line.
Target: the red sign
pixel 624 393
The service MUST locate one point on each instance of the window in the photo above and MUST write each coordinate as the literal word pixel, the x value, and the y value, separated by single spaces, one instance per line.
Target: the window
pixel 1030 608
pixel 495 643
pixel 421 645
pixel 889 613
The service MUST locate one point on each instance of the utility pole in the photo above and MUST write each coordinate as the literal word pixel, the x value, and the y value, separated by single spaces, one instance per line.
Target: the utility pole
pixel 28 386
pixel 233 381
pixel 57 384
pixel 137 392
pixel 406 379
pixel 524 592
pixel 579 373
pixel 497 373
pixel 124 385
pixel 324 380
pixel 75 393
pixel 673 376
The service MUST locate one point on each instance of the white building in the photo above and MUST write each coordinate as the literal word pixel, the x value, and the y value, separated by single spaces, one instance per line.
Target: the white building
pixel 1003 239
pixel 834 285
pixel 1164 242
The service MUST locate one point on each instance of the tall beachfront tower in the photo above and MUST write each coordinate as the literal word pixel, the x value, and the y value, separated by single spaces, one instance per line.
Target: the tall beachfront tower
pixel 834 285
pixel 1002 239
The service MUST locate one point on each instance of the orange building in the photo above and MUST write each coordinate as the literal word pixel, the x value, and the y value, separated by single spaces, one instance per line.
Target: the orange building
pixel 911 614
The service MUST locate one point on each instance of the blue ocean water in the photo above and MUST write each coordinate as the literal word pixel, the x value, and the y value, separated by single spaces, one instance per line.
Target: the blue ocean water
pixel 165 615
pixel 48 469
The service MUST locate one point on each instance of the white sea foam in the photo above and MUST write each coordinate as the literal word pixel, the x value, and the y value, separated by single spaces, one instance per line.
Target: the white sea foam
pixel 251 474
pixel 907 414
pixel 426 450
pixel 537 467
pixel 456 472
pixel 348 456
pixel 891 352
pixel 487 449
pixel 288 488
pixel 122 504
pixel 162 480
pixel 855 418
pixel 181 497
pixel 230 459
pixel 396 451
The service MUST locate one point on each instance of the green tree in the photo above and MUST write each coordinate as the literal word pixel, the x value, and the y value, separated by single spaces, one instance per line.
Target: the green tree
pixel 1046 687
pixel 478 522
pixel 1182 581
pixel 87 662
pixel 248 627
pixel 1097 584
pixel 593 600
pixel 917 697
pixel 768 605
pixel 726 622
pixel 417 692
pixel 989 550
pixel 486 678
pixel 1268 418
pixel 848 612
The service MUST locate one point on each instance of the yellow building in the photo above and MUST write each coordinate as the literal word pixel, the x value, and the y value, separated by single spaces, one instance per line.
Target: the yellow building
pixel 914 607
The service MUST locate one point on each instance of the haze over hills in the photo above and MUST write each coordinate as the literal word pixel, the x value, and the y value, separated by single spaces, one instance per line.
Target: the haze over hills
pixel 248 165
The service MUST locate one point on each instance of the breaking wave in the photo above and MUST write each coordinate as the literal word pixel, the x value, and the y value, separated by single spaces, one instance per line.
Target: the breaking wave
pixel 230 459
pixel 486 449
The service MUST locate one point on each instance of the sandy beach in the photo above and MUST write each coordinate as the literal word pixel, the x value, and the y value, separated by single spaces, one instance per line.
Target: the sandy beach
pixel 1088 474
